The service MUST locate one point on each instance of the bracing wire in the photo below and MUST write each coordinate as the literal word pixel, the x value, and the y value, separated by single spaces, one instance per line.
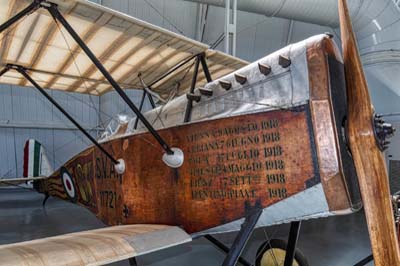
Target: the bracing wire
pixel 79 71
pixel 158 114
pixel 164 17
pixel 12 28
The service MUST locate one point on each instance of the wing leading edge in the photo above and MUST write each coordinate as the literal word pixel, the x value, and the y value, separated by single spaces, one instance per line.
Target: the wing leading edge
pixel 93 247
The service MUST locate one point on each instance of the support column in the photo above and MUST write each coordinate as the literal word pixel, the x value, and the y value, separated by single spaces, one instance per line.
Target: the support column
pixel 230 26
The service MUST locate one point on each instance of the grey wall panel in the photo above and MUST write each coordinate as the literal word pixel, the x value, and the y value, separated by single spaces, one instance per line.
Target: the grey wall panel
pixel 174 15
pixel 29 105
pixel 5 103
pixel 7 153
pixel 26 108
pixel 68 143
pixel 83 108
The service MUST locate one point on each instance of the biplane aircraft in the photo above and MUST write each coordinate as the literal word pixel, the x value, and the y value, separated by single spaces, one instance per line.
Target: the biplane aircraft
pixel 233 145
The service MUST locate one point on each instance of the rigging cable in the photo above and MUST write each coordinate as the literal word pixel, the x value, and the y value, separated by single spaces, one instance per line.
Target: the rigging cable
pixel 164 17
pixel 80 73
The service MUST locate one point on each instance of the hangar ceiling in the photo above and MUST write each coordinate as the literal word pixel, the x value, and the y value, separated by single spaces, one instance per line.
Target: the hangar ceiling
pixel 376 23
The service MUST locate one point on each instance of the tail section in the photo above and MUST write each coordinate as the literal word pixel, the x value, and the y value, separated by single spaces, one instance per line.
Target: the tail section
pixel 36 162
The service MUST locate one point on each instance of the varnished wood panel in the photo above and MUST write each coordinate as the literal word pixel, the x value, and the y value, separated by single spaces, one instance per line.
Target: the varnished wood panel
pixel 231 165
pixel 326 135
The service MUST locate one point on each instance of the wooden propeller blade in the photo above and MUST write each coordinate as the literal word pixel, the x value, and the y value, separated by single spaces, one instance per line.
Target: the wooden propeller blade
pixel 368 158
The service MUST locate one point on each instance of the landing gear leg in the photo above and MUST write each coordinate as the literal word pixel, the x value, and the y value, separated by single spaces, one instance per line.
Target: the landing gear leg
pixel 242 237
pixel 132 262
pixel 365 261
pixel 46 197
pixel 292 242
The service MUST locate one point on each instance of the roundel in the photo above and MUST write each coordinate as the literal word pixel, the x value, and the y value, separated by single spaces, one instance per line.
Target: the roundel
pixel 68 184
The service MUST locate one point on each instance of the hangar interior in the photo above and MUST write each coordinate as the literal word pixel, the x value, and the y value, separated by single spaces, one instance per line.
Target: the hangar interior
pixel 262 27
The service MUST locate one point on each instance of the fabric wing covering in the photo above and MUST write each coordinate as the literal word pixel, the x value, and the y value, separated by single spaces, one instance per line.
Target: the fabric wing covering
pixel 125 45
pixel 94 247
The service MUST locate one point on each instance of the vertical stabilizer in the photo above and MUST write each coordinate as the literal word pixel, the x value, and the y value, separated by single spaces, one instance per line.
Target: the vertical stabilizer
pixel 36 162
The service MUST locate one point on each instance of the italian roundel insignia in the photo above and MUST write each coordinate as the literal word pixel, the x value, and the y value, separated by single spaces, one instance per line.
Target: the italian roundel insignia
pixel 68 184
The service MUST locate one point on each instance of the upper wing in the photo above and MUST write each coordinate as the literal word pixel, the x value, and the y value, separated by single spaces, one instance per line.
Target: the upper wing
pixel 125 45
pixel 94 247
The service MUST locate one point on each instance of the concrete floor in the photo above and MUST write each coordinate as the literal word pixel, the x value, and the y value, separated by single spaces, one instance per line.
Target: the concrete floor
pixel 335 241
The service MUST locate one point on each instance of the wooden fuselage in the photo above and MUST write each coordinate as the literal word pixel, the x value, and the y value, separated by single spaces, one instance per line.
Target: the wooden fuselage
pixel 232 164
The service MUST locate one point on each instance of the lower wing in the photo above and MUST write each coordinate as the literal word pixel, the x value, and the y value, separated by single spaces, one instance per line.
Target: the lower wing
pixel 93 247
pixel 18 181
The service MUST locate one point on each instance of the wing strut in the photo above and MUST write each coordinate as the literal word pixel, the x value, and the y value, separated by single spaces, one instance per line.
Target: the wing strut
pixel 52 8
pixel 199 59
pixel 168 157
pixel 26 11
pixel 23 72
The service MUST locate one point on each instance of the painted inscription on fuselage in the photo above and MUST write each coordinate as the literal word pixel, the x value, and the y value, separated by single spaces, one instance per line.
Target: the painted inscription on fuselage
pixel 108 181
pixel 229 162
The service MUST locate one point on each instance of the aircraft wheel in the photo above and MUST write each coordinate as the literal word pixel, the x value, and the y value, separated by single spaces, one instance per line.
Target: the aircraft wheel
pixel 273 254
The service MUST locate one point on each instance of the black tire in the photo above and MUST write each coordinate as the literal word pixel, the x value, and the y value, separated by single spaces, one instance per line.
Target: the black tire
pixel 279 244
